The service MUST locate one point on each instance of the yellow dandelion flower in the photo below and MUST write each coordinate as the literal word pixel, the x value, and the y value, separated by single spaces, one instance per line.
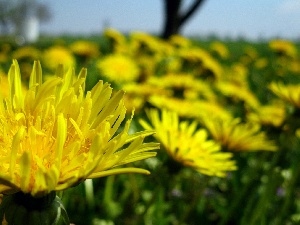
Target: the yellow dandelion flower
pixel 236 74
pixel 179 41
pixel 145 44
pixel 54 136
pixel 288 93
pixel 184 82
pixel 272 114
pixel 190 108
pixel 84 48
pixel 114 34
pixel 200 61
pixel 261 63
pixel 237 136
pixel 118 68
pixel 283 47
pixel 238 93
pixel 56 55
pixel 26 52
pixel 137 94
pixel 220 49
pixel 250 55
pixel 188 145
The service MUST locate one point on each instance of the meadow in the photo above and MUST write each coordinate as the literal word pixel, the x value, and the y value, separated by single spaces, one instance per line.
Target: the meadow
pixel 226 115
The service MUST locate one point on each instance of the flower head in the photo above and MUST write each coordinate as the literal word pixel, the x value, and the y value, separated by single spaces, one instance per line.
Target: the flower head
pixel 289 93
pixel 283 47
pixel 56 55
pixel 188 145
pixel 55 136
pixel 237 136
pixel 118 68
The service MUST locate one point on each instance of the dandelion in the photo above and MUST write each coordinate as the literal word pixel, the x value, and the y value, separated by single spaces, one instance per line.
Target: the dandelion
pixel 54 137
pixel 288 93
pixel 219 49
pixel 283 47
pixel 118 68
pixel 85 49
pixel 234 135
pixel 56 55
pixel 188 145
pixel 273 114
pixel 189 108
pixel 236 92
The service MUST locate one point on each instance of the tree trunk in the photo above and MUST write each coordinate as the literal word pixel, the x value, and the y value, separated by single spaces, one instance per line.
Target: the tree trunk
pixel 171 12
pixel 174 19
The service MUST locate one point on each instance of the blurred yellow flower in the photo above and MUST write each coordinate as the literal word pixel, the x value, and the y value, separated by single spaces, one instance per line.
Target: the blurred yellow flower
pixel 237 136
pixel 188 145
pixel 239 93
pixel 283 47
pixel 250 55
pixel 54 136
pixel 138 93
pixel 190 108
pixel 261 63
pixel 143 43
pixel 26 52
pixel 220 49
pixel 200 62
pixel 118 68
pixel 116 41
pixel 289 93
pixel 272 114
pixel 85 49
pixel 179 41
pixel 55 55
pixel 185 83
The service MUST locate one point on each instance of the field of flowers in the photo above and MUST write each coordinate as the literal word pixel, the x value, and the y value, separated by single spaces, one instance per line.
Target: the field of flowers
pixel 226 115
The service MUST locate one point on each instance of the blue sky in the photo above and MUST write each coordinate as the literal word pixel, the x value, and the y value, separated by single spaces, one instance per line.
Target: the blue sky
pixel 225 18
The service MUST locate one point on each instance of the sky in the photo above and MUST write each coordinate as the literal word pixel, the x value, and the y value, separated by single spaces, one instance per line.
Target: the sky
pixel 223 18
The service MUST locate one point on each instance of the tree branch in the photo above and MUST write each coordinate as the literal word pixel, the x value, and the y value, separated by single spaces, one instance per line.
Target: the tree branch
pixel 185 16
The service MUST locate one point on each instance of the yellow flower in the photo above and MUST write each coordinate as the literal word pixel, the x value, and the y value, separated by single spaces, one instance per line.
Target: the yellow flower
pixel 143 43
pixel 85 49
pixel 184 82
pixel 219 49
pixel 288 93
pixel 116 41
pixel 201 62
pixel 250 55
pixel 237 92
pixel 56 55
pixel 54 136
pixel 190 108
pixel 261 63
pixel 26 52
pixel 138 93
pixel 237 136
pixel 283 47
pixel 118 68
pixel 179 41
pixel 188 145
pixel 273 114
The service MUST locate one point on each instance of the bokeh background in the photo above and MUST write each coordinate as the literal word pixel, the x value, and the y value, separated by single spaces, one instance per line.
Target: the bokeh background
pixel 230 76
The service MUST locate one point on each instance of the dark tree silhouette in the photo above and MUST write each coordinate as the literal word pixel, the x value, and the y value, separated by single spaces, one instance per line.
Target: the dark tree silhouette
pixel 174 18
